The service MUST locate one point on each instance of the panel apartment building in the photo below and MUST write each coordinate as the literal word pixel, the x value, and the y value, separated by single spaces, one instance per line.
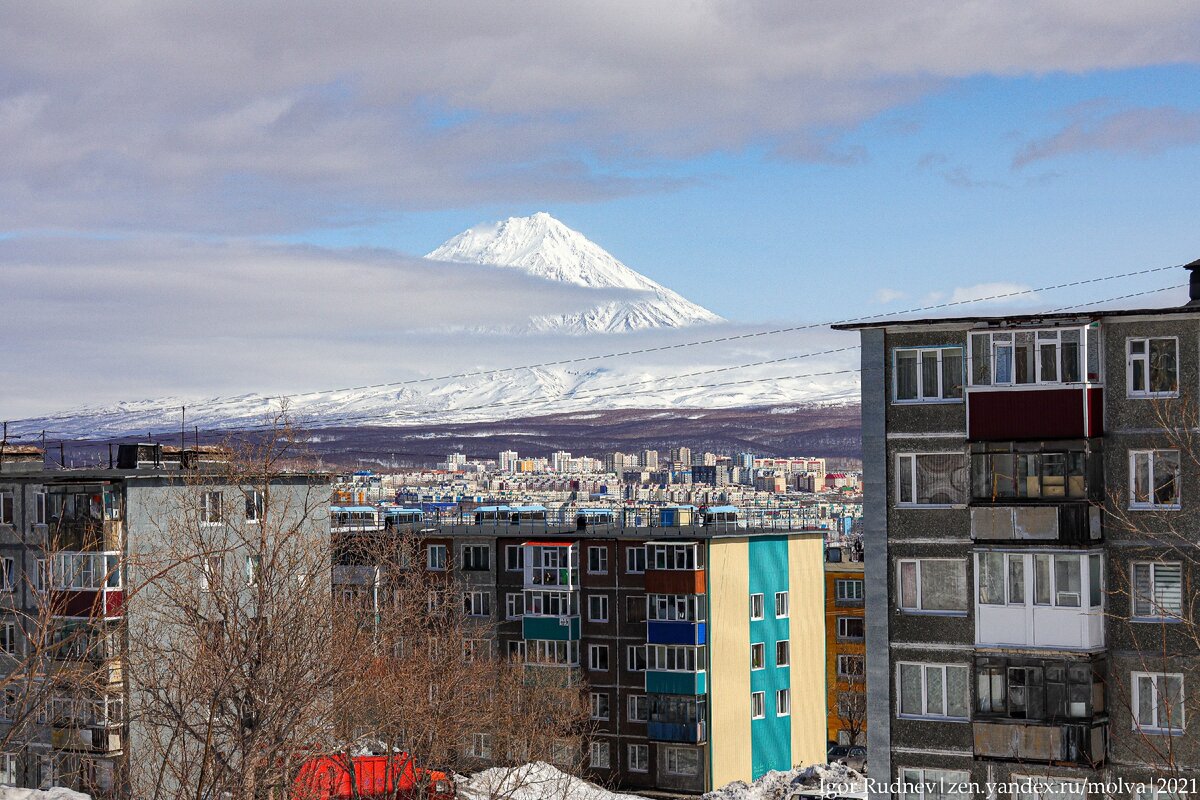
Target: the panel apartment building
pixel 700 639
pixel 66 539
pixel 1030 516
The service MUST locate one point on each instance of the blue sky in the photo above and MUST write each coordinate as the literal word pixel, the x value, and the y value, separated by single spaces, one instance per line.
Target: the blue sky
pixel 769 160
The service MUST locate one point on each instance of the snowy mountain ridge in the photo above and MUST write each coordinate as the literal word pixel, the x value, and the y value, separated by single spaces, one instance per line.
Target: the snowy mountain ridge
pixel 543 247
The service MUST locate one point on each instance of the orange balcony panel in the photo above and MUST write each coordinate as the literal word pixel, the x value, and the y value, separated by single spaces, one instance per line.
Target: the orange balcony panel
pixel 673 581
pixel 1014 414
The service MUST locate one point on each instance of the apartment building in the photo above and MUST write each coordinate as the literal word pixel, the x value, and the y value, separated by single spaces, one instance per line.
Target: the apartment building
pixel 1030 486
pixel 699 636
pixel 845 647
pixel 66 537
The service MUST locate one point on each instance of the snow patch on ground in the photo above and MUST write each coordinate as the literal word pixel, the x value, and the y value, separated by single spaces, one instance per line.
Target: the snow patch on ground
pixel 819 780
pixel 536 781
pixel 57 793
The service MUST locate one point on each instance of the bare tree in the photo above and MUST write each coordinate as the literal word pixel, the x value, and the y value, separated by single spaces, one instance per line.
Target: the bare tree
pixel 852 709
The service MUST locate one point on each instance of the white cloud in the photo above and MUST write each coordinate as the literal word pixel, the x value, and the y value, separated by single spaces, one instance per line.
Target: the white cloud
pixel 994 294
pixel 885 295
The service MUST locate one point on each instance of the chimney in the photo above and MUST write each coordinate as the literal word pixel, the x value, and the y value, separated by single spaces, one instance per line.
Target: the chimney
pixel 1194 284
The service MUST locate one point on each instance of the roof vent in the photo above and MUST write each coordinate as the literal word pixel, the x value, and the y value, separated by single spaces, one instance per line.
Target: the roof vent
pixel 1194 284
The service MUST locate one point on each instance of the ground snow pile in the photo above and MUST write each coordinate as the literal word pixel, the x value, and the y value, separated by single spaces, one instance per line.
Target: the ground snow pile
pixel 536 781
pixel 57 793
pixel 836 779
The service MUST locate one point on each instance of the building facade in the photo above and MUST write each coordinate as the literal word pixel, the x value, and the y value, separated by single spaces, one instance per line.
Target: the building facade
pixel 1029 492
pixel 845 647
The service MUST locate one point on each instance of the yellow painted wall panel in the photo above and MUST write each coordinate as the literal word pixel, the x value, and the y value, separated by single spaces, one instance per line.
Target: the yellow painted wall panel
pixel 729 660
pixel 806 595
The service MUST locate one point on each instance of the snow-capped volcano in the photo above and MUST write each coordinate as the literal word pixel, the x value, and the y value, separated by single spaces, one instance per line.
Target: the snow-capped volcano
pixel 543 247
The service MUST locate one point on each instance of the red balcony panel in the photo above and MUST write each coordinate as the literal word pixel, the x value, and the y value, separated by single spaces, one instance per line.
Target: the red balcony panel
pixel 114 603
pixel 670 581
pixel 1017 414
pixel 89 603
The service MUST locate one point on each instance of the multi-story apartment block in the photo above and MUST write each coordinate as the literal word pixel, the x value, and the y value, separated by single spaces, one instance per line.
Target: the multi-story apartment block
pixel 845 648
pixel 66 537
pixel 699 637
pixel 1030 507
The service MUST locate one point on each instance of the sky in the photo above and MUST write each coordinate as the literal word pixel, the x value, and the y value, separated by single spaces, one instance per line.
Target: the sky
pixel 209 198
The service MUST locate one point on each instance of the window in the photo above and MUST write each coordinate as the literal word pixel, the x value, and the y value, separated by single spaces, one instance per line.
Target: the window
pixel 848 591
pixel 599 755
pixel 758 656
pixel 598 560
pixel 435 556
pixel 1016 358
pixel 1158 701
pixel 476 557
pixel 635 608
pixel 639 708
pixel 928 375
pixel 639 758
pixel 1029 471
pixel 933 784
pixel 599 702
pixel 781 605
pixel 635 560
pixel 1157 589
pixel 210 508
pixel 8 638
pixel 674 556
pixel 598 657
pixel 932 585
pixel 931 479
pixel 481 745
pixel 8 574
pixel 1002 579
pixel 8 769
pixel 7 509
pixel 254 506
pixel 682 761
pixel 551 604
pixel 1037 690
pixel 850 666
pixel 598 608
pixel 1152 367
pixel 783 702
pixel 514 605
pixel 758 705
pixel 253 567
pixel 514 558
pixel 1154 479
pixel 39 508
pixel 783 653
pixel 477 649
pixel 635 658
pixel 675 607
pixel 756 606
pixel 548 651
pixel 516 650
pixel 932 690
pixel 850 629
pixel 1057 579
pixel 477 604
pixel 675 657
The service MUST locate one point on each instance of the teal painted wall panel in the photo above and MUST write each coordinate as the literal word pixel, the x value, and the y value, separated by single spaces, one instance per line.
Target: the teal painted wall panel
pixel 549 628
pixel 770 737
pixel 676 682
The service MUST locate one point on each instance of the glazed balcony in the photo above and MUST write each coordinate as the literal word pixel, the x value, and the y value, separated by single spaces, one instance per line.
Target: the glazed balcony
pixel 675 632
pixel 1073 523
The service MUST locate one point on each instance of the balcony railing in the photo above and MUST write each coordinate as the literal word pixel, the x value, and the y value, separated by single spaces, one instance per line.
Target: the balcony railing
pixel 1074 523
pixel 1080 744
pixel 688 732
pixel 1023 412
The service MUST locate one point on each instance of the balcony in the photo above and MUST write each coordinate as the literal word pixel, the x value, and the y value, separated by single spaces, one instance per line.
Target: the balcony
pixel 1058 627
pixel 686 732
pixel 690 683
pixel 89 603
pixel 1080 744
pixel 89 739
pixel 551 628
pixel 1075 523
pixel 675 632
pixel 675 581
pixel 1020 412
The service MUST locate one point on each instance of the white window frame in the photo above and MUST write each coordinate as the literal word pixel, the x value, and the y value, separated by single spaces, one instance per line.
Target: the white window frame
pixel 638 708
pixel 1157 610
pixel 40 504
pixel 477 604
pixel 8 574
pixel 950 779
pixel 758 705
pixel 913 487
pixel 844 658
pixel 8 768
pixel 212 510
pixel 1144 357
pixel 475 548
pixel 925 713
pixel 10 643
pixel 672 758
pixel 435 564
pixel 1011 343
pixel 842 636
pixel 781 605
pixel 921 399
pixel 508 558
pixel 594 651
pixel 631 657
pixel 783 653
pixel 514 605
pixel 481 745
pixel 1135 703
pixel 783 702
pixel 599 758
pixel 919 608
pixel 632 556
pixel 8 509
pixel 757 606
pixel 758 655
pixel 1029 560
pixel 602 561
pixel 1150 505
pixel 254 506
pixel 639 757
pixel 602 600
pixel 842 596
